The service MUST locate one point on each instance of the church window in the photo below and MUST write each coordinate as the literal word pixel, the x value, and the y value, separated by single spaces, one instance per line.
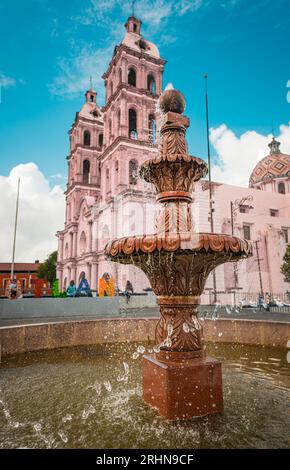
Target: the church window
pixel 133 172
pixel 151 86
pixel 101 139
pixel 131 77
pixel 110 127
pixel 91 98
pixel 285 234
pixel 274 213
pixel 86 171
pixel 118 119
pixel 111 88
pixel 116 166
pixel 135 28
pixel 281 188
pixel 247 231
pixel 87 138
pixel 132 124
pixel 83 242
pixel 152 128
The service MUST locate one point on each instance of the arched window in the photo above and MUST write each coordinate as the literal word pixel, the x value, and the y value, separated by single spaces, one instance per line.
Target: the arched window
pixel 120 75
pixel 152 128
pixel 107 180
pixel 151 86
pixel 132 77
pixel 86 171
pixel 133 172
pixel 281 188
pixel 105 234
pixel 132 124
pixel 118 122
pixel 110 127
pixel 111 88
pixel 101 140
pixel 87 138
pixel 83 242
pixel 116 166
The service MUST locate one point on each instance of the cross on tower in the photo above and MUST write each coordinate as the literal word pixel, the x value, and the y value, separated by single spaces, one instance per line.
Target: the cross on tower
pixel 133 3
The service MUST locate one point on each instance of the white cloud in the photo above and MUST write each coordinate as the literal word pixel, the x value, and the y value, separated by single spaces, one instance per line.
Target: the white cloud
pixel 41 214
pixel 237 156
pixel 86 59
pixel 6 81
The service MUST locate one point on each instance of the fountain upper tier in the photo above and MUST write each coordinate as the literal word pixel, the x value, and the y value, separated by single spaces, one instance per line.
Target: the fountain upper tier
pixel 176 259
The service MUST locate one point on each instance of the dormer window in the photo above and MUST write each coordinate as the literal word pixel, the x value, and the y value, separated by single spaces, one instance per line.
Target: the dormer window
pixel 281 188
pixel 143 45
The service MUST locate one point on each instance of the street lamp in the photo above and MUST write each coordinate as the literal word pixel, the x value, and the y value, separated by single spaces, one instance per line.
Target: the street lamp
pixel 235 206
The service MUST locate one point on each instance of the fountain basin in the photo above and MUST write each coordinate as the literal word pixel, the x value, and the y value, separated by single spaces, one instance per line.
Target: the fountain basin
pixel 48 395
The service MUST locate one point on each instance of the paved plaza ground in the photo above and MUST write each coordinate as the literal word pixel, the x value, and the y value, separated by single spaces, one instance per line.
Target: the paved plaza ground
pixel 244 314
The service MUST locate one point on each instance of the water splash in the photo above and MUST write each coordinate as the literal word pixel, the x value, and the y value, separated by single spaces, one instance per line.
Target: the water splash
pixel 108 385
pixel 86 413
pixel 66 418
pixel 125 376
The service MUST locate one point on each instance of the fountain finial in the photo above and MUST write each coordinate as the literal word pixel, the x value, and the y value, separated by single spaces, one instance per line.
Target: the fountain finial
pixel 172 100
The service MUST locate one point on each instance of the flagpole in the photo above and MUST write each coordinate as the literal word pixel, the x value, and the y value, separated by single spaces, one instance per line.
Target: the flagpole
pixel 15 230
pixel 211 209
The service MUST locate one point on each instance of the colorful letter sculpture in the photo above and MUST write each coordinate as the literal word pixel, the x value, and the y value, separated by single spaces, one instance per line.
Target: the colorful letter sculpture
pixel 84 288
pixel 55 288
pixel 106 286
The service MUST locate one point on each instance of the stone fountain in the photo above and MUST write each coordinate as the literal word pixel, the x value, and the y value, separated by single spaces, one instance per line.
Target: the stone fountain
pixel 178 379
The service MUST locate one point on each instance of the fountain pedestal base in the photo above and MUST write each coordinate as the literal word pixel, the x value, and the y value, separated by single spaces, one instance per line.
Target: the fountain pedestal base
pixel 183 388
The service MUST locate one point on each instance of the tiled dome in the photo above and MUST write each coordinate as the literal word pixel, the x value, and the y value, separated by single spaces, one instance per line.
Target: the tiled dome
pixel 274 165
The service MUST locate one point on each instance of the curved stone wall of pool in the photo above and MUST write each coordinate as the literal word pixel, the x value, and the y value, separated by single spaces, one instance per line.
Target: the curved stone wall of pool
pixel 25 338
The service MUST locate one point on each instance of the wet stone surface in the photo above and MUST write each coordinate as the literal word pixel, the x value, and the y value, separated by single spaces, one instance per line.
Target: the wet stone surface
pixel 91 397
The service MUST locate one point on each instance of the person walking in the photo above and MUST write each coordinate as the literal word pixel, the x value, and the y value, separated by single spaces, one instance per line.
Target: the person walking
pixel 128 291
pixel 261 302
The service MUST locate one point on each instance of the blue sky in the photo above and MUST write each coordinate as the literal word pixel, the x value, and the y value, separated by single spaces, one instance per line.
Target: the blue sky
pixel 49 48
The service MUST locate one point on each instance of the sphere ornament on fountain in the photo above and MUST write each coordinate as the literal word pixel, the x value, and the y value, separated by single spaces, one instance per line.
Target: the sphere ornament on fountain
pixel 179 380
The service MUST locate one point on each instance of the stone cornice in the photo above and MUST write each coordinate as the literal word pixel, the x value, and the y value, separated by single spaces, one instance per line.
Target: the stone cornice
pixel 140 55
pixel 127 140
pixel 125 86
pixel 95 187
pixel 94 121
pixel 84 147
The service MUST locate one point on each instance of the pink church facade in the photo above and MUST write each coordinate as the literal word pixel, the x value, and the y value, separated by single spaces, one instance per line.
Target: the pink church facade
pixel 105 197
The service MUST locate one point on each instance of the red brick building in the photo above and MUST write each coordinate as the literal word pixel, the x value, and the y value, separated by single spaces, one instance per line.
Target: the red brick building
pixel 26 273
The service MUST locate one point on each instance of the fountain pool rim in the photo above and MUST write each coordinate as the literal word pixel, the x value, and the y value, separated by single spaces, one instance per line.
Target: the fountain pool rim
pixel 53 335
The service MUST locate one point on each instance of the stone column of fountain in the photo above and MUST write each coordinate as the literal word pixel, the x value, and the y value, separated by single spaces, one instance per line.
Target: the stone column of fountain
pixel 178 379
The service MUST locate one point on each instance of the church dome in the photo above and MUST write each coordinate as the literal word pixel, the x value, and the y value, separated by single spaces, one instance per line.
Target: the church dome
pixel 276 165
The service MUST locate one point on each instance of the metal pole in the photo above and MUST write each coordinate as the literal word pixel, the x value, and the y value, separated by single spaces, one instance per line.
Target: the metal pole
pixel 209 179
pixel 232 217
pixel 259 268
pixel 15 230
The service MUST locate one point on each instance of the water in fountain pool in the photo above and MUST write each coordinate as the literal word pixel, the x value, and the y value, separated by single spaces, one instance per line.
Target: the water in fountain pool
pixel 66 398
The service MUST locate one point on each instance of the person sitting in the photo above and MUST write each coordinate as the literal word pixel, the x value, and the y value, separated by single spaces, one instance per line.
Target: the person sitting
pixel 13 289
pixel 71 290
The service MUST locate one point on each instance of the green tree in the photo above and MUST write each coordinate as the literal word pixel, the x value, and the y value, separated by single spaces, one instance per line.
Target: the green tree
pixel 47 269
pixel 285 268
